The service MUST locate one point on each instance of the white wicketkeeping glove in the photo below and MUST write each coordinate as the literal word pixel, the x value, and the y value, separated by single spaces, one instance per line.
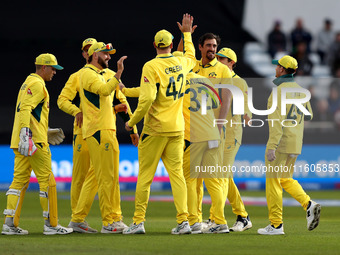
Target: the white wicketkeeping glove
pixel 26 144
pixel 55 136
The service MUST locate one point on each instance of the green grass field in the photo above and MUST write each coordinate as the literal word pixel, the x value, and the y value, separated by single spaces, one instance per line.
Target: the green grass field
pixel 158 240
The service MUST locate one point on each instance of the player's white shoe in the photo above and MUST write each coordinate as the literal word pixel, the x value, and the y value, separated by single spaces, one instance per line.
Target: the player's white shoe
pixel 313 215
pixel 270 230
pixel 181 229
pixel 119 226
pixel 207 223
pixel 216 229
pixel 135 229
pixel 7 230
pixel 82 227
pixel 241 224
pixel 196 228
pixel 58 230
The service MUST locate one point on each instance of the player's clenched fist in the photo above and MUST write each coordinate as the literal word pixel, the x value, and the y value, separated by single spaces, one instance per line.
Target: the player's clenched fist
pixel 121 108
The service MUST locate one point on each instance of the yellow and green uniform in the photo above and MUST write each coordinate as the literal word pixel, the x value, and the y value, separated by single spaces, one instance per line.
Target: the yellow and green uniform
pixel 234 130
pixel 287 143
pixel 161 103
pixel 69 102
pixel 90 186
pixel 199 131
pixel 32 110
pixel 99 132
pixel 218 73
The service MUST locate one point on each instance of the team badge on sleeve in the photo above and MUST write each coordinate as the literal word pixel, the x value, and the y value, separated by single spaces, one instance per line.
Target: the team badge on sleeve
pixel 29 92
pixel 146 79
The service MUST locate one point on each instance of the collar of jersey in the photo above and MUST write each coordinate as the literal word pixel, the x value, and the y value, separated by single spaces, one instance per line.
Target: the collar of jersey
pixel 94 68
pixel 233 74
pixel 38 76
pixel 211 63
pixel 284 78
pixel 165 55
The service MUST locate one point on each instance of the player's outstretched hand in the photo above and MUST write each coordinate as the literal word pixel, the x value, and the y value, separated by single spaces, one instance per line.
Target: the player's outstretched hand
pixel 186 25
pixel 121 108
pixel 120 67
pixel 271 155
pixel 134 139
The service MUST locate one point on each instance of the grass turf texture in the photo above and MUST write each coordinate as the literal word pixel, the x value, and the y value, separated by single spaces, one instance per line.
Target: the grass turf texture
pixel 158 240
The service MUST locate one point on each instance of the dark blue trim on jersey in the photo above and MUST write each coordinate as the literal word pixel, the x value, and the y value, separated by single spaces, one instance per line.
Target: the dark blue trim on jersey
pixel 76 100
pixel 97 136
pixel 167 57
pixel 284 78
pixel 93 98
pixel 37 111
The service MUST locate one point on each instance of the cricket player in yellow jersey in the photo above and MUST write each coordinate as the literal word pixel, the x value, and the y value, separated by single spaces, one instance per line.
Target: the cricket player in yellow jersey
pixel 202 140
pixel 161 103
pixel 69 102
pixel 218 73
pixel 283 147
pixel 233 141
pixel 90 185
pixel 30 145
pixel 98 123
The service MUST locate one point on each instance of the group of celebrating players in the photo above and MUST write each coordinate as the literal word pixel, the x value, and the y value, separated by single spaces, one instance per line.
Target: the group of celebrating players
pixel 173 89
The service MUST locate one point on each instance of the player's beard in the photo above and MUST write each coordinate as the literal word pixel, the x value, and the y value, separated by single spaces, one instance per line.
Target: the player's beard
pixel 102 63
pixel 210 56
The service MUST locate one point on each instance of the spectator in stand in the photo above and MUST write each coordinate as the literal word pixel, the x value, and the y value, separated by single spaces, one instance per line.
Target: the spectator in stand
pixel 301 55
pixel 324 40
pixel 300 34
pixel 333 55
pixel 276 40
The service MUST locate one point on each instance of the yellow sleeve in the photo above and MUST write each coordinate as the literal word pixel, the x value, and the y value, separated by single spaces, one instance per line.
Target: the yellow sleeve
pixel 68 94
pixel 245 95
pixel 31 97
pixel 122 99
pixel 274 123
pixel 95 85
pixel 131 92
pixel 189 50
pixel 148 92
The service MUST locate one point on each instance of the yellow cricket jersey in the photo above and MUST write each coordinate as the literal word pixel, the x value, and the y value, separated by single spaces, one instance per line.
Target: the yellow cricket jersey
pixel 217 72
pixel 32 109
pixel 199 127
pixel 69 100
pixel 287 139
pixel 214 69
pixel 161 92
pixel 96 100
pixel 234 127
